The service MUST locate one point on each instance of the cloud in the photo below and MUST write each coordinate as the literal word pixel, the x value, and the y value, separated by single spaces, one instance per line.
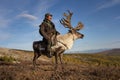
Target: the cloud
pixel 108 4
pixel 33 16
pixel 45 5
pixel 27 16
pixel 118 17
pixel 115 42
pixel 40 9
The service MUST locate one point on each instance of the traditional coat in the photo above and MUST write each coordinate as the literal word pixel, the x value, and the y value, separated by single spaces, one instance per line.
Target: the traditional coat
pixel 47 30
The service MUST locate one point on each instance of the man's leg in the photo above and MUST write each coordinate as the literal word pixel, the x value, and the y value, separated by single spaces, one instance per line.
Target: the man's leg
pixel 49 49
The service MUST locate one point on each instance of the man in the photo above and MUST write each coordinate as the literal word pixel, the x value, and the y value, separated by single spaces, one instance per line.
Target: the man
pixel 48 30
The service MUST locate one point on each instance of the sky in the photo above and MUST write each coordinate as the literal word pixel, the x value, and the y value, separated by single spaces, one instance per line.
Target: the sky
pixel 20 20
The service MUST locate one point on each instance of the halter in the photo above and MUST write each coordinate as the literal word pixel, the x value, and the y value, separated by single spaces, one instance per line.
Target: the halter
pixel 73 36
pixel 63 44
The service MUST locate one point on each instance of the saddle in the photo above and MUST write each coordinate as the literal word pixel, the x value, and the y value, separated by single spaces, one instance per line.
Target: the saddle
pixel 43 43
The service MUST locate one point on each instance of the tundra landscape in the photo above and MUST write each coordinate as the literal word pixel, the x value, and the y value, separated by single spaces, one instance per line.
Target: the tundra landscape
pixel 17 65
pixel 86 30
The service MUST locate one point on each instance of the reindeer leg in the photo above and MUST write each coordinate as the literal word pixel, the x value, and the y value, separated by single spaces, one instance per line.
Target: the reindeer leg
pixel 56 61
pixel 36 56
pixel 34 59
pixel 61 59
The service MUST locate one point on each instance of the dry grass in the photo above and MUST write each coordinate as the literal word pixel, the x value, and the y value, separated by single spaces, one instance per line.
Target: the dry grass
pixel 45 71
pixel 76 67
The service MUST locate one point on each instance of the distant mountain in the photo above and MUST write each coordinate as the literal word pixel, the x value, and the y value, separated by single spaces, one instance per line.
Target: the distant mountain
pixel 115 51
pixel 111 52
pixel 94 50
pixel 10 52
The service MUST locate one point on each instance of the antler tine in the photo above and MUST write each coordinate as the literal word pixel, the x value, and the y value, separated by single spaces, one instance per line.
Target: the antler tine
pixel 79 26
pixel 66 22
pixel 62 22
pixel 71 13
pixel 68 16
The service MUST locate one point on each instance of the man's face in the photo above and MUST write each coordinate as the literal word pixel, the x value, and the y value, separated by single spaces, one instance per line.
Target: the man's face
pixel 49 18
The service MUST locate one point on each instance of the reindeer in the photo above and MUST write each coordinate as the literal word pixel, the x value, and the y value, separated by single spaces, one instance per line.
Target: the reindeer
pixel 63 42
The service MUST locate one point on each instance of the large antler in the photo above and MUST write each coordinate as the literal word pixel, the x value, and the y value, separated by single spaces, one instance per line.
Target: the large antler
pixel 79 26
pixel 67 22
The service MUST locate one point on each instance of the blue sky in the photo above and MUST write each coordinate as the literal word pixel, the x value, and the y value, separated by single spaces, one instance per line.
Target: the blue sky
pixel 19 21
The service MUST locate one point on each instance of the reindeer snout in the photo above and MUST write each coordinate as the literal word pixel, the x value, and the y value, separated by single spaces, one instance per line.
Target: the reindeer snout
pixel 82 35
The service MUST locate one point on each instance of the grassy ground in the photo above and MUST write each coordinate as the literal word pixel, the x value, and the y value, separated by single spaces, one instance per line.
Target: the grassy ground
pixel 93 59
pixel 45 71
pixel 75 67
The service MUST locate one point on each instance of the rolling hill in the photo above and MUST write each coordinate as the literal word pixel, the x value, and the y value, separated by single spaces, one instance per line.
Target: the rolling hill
pixel 20 55
pixel 17 54
pixel 111 52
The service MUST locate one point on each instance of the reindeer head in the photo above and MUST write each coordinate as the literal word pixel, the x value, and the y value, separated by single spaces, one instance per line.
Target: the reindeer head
pixel 66 22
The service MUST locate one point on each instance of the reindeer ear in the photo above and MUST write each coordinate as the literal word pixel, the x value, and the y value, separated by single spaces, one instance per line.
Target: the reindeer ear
pixel 71 30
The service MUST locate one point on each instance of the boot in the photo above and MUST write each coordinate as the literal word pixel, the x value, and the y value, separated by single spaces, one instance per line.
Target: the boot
pixel 49 51
pixel 49 54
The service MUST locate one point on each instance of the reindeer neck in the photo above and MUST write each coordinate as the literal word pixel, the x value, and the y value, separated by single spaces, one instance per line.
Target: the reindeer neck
pixel 66 39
